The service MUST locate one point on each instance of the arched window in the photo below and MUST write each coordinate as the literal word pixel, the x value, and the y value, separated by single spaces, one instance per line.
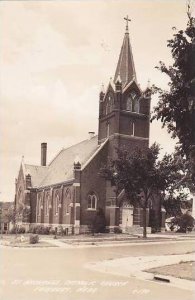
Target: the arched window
pixel 132 103
pixel 39 205
pixel 109 104
pixel 67 201
pixel 56 204
pixel 129 104
pixel 47 200
pixel 92 201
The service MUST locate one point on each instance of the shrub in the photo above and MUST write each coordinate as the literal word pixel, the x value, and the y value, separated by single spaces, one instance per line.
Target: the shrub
pixel 33 229
pixel 13 230
pixel 117 230
pixel 186 222
pixel 46 230
pixel 52 231
pixel 33 239
pixel 61 230
pixel 40 229
pixel 21 230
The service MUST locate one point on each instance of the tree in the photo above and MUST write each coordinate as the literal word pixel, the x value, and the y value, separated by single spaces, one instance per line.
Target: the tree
pixel 141 175
pixel 176 106
pixel 174 203
pixel 17 214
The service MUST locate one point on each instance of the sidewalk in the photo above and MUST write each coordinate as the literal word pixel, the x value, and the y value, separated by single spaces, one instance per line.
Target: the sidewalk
pixel 79 245
pixel 108 240
pixel 120 239
pixel 98 238
pixel 135 266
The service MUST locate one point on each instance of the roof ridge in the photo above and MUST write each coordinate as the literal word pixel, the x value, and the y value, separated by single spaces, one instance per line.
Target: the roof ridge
pixel 63 149
pixel 36 166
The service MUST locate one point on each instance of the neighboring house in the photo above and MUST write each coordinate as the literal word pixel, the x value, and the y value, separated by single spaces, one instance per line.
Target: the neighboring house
pixel 68 193
pixel 5 223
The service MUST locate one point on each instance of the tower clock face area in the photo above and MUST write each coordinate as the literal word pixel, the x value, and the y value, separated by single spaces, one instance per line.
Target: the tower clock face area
pixel 132 103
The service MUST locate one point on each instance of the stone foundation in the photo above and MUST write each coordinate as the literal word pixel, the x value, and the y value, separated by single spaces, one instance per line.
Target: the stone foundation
pixel 135 229
pixel 85 229
pixel 68 228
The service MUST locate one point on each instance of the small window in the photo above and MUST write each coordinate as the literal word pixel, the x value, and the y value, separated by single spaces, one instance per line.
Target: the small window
pixel 92 201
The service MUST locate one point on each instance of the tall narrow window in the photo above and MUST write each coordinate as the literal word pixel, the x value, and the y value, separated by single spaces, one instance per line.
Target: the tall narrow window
pixel 47 200
pixel 107 108
pixel 136 105
pixel 67 201
pixel 56 204
pixel 39 205
pixel 109 104
pixel 132 103
pixel 108 129
pixel 129 104
pixel 132 125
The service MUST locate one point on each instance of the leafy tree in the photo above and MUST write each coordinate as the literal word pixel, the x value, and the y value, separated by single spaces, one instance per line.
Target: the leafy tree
pixel 17 214
pixel 174 203
pixel 185 222
pixel 141 175
pixel 176 106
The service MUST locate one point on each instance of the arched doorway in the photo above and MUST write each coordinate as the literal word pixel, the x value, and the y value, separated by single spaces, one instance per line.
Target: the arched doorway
pixel 126 216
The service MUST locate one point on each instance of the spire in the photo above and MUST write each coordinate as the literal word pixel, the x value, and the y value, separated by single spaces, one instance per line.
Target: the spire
pixel 125 67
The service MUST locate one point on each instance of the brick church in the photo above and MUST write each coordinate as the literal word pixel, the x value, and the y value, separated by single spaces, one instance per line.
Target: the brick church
pixel 67 193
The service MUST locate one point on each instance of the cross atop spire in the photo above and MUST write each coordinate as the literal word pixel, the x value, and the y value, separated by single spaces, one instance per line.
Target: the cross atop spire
pixel 125 67
pixel 127 24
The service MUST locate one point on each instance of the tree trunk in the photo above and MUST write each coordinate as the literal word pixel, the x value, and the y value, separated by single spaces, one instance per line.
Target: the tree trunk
pixel 144 223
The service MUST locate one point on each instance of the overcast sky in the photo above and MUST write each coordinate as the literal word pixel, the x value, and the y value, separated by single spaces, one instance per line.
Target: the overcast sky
pixel 55 55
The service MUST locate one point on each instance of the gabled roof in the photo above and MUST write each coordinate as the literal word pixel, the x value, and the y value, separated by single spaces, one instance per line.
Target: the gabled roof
pixel 37 173
pixel 60 168
pixel 125 67
pixel 126 87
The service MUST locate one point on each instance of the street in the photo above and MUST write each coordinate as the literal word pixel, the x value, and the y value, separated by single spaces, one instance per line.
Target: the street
pixel 59 273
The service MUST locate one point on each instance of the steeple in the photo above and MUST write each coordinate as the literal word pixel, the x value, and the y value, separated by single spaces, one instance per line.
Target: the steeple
pixel 125 67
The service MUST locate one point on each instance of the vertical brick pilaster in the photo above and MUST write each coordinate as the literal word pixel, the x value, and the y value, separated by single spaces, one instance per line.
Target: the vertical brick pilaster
pixel 51 207
pixel 42 207
pixel 61 205
pixel 77 196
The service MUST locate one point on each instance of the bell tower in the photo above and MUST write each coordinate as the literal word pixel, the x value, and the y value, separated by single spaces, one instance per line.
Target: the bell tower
pixel 124 109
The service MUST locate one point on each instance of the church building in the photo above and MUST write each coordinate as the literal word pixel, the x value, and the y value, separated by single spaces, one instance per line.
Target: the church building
pixel 67 193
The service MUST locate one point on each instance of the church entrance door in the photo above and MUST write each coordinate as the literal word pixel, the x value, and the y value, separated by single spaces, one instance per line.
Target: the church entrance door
pixel 127 217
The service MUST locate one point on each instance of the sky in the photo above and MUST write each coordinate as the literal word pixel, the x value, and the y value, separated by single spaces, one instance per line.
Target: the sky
pixel 54 57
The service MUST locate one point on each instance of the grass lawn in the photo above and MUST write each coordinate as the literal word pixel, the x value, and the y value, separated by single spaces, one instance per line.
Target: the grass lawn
pixel 184 270
pixel 13 241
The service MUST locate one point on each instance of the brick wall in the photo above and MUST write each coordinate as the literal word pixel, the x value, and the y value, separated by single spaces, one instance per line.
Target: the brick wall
pixel 92 182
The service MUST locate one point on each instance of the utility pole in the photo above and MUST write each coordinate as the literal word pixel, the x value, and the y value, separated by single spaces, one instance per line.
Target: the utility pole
pixel 192 107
